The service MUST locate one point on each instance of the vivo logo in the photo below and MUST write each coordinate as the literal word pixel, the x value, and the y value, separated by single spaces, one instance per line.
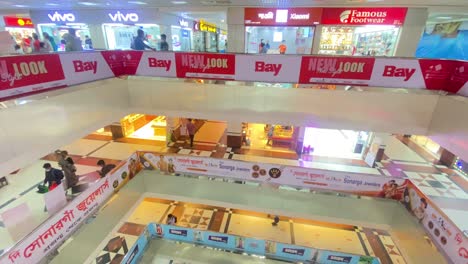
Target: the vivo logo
pixel 119 17
pixel 67 17
pixel 183 23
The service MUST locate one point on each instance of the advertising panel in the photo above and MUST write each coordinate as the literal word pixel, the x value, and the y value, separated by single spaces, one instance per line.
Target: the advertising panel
pixel 364 16
pixel 404 73
pixel 447 237
pixel 293 252
pixel 336 70
pixel 160 64
pixel 276 68
pixel 330 257
pixel 59 227
pixel 27 74
pixel 360 184
pixel 285 17
pixel 206 65
pixel 136 252
pixel 84 67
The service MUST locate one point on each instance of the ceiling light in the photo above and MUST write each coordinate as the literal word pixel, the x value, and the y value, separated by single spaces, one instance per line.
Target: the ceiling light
pixel 136 2
pixel 87 3
pixel 444 17
pixel 20 5
pixel 179 2
pixel 52 4
pixel 222 20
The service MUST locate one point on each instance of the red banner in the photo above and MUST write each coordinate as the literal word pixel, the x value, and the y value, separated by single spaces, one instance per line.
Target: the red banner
pixel 206 65
pixel 364 16
pixel 336 70
pixel 18 22
pixel 282 17
pixel 24 75
pixel 28 70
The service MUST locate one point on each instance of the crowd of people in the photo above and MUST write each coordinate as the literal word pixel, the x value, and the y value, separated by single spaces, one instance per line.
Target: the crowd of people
pixel 47 43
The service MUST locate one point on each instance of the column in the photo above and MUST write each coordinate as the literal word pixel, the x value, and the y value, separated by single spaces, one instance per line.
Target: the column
pixel 377 148
pixel 316 41
pixel 171 124
pixel 96 33
pixel 236 30
pixel 234 134
pixel 411 32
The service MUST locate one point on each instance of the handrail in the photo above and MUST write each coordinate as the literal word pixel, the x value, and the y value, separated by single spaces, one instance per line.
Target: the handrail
pixel 53 232
pixel 19 74
pixel 238 244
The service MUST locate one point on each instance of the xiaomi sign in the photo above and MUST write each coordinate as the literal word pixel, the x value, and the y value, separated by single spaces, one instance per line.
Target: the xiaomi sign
pixel 288 17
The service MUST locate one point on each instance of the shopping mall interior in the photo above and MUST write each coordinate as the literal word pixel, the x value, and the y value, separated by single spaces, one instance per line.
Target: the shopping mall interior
pixel 250 131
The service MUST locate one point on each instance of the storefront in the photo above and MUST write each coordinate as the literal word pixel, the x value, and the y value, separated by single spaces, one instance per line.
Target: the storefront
pixel 121 26
pixel 182 35
pixel 293 27
pixel 205 36
pixel 269 136
pixel 428 144
pixel 361 31
pixel 136 126
pixel 58 23
pixel 334 143
pixel 20 28
pixel 107 29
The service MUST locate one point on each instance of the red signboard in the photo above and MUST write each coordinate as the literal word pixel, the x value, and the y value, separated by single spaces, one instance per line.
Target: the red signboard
pixel 18 22
pixel 29 70
pixel 364 16
pixel 206 65
pixel 285 17
pixel 336 70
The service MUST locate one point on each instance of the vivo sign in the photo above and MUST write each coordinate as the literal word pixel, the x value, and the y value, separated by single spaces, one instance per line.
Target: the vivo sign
pixel 120 17
pixel 66 17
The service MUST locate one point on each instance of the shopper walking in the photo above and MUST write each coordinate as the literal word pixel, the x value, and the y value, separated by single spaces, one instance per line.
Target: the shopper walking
pixel 139 42
pixel 282 48
pixel 171 219
pixel 88 42
pixel 53 176
pixel 36 43
pixel 191 131
pixel 68 167
pixel 275 221
pixel 163 45
pixel 105 168
pixel 47 45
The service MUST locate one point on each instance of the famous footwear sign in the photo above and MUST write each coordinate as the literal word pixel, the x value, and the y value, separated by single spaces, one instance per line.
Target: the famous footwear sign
pixel 364 16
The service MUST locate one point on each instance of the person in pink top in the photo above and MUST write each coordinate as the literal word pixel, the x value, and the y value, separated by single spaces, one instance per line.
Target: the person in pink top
pixel 191 131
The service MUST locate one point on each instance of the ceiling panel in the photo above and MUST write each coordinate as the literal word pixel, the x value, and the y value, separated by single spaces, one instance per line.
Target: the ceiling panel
pixel 64 4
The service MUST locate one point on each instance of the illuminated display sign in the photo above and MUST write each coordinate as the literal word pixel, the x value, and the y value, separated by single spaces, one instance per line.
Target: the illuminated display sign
pixel 61 17
pixel 18 22
pixel 123 17
pixel 287 17
pixel 207 27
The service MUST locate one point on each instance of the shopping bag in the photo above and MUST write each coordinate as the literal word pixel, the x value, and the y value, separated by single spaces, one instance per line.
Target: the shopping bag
pixel 41 188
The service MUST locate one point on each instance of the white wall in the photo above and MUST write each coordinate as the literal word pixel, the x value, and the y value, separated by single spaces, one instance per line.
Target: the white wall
pixel 236 30
pixel 368 111
pixel 449 126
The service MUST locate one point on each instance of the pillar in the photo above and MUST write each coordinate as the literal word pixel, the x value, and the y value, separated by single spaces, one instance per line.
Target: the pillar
pixel 377 148
pixel 171 124
pixel 411 32
pixel 236 30
pixel 234 134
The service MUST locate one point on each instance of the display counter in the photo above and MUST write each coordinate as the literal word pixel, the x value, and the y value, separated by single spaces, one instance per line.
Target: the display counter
pixel 283 136
pixel 159 125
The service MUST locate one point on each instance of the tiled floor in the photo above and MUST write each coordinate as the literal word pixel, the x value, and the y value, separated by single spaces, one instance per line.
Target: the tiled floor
pixel 344 238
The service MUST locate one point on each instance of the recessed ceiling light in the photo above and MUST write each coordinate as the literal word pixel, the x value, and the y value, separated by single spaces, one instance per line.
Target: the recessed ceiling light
pixel 136 2
pixel 179 2
pixel 20 5
pixel 444 17
pixel 87 3
pixel 222 20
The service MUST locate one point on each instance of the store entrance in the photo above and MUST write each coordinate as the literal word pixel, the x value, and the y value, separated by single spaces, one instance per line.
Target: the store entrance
pixel 346 144
pixel 268 136
pixel 298 40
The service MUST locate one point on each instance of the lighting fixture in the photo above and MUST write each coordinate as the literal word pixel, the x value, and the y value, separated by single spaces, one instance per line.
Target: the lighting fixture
pixel 87 3
pixel 136 2
pixel 20 5
pixel 179 2
pixel 52 4
pixel 444 17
